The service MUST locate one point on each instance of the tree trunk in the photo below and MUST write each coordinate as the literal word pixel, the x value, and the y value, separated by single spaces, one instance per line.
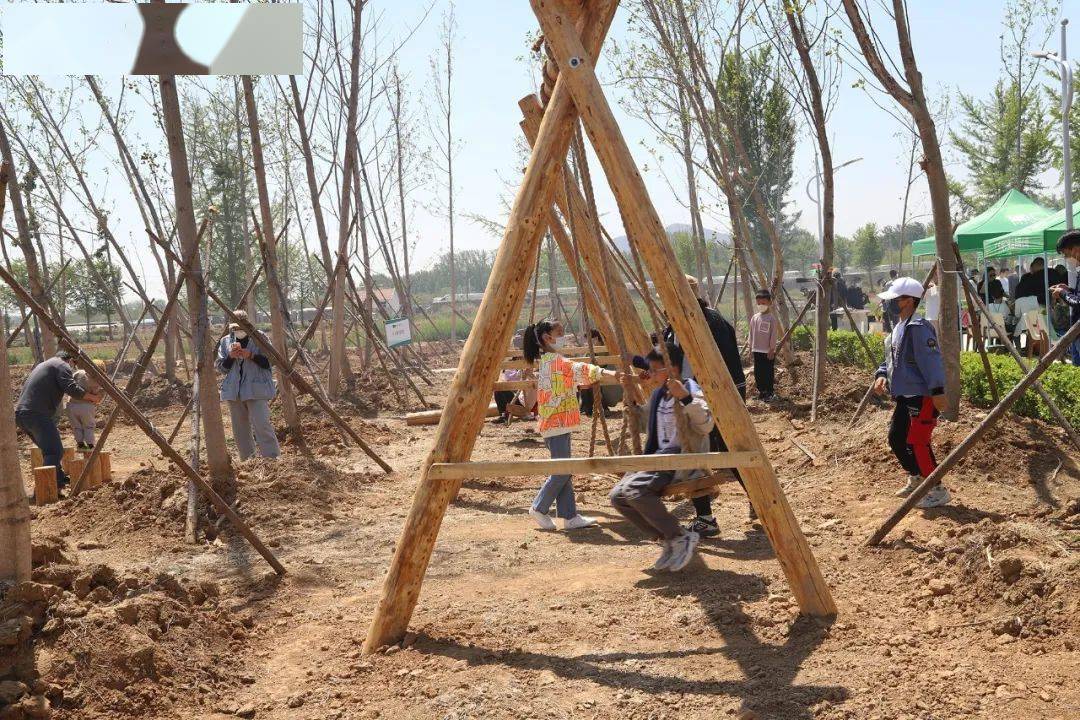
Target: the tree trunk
pixel 401 198
pixel 337 345
pixel 277 309
pixel 217 455
pixel 249 261
pixel 14 509
pixel 44 342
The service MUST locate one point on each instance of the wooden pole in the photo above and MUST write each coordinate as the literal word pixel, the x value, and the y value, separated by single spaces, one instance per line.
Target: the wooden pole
pixel 57 275
pixel 647 233
pixel 140 420
pixel 973 437
pixel 135 379
pixel 470 391
pixel 858 333
pixel 862 406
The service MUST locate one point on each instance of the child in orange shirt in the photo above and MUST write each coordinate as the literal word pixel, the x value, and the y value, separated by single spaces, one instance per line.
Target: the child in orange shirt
pixel 557 382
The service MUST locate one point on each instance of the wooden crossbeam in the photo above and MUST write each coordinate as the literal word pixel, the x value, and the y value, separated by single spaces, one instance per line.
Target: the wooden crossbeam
pixel 582 466
pixel 581 352
pixel 522 364
pixel 516 385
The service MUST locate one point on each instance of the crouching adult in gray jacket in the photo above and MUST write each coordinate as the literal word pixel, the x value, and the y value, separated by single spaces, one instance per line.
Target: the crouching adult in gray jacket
pixel 248 387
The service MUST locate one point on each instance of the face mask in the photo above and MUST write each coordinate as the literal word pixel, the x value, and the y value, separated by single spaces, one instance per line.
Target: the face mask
pixel 560 341
pixel 1071 264
pixel 239 334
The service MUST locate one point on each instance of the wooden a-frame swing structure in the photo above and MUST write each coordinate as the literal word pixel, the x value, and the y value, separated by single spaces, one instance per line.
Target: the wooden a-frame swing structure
pixel 574 31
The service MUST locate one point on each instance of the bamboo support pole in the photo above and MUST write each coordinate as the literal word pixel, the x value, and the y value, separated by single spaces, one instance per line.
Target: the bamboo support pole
pixel 976 434
pixel 139 419
pixel 647 234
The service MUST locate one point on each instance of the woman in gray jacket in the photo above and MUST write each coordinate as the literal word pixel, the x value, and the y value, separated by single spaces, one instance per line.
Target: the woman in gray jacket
pixel 248 387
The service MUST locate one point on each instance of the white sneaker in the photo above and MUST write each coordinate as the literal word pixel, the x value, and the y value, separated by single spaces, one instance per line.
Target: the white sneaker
pixel 578 521
pixel 666 554
pixel 913 482
pixel 935 498
pixel 542 519
pixel 684 547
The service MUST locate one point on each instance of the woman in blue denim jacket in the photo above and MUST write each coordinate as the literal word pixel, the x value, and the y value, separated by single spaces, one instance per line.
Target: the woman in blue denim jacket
pixel 248 387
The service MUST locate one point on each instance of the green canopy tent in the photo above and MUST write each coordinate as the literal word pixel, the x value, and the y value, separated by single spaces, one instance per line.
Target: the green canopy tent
pixel 1037 238
pixel 1013 210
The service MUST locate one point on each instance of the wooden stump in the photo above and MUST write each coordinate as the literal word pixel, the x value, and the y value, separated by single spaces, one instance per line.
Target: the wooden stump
pixel 69 456
pixel 37 459
pixel 105 459
pixel 45 490
pixel 94 477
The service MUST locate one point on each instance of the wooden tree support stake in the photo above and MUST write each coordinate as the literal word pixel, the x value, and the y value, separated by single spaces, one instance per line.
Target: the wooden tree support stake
pixel 124 402
pixel 810 301
pixel 973 437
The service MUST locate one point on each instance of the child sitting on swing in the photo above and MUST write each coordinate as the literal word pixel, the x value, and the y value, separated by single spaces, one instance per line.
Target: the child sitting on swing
pixel 557 382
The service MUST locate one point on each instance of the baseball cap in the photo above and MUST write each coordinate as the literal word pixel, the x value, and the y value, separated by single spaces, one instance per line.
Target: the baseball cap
pixel 902 286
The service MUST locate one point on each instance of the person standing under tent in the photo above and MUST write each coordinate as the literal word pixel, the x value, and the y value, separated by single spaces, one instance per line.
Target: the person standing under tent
pixel 1069 246
pixel 913 373
pixel 557 382
pixel 637 495
pixel 704 523
pixel 764 329
pixel 248 387
pixel 39 402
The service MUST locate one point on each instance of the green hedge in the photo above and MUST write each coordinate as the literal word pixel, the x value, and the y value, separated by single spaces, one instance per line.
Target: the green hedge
pixel 1061 381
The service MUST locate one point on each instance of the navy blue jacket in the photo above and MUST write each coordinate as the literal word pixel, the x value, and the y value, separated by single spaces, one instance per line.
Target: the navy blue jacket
pixel 916 368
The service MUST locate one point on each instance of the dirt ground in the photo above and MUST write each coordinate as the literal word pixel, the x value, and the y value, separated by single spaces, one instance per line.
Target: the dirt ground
pixel 969 611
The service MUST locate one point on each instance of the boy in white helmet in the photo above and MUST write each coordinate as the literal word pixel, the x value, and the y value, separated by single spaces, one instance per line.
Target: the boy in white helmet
pixel 914 374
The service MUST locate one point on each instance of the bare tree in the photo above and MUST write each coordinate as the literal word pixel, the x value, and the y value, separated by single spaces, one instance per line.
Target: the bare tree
pixel 217 455
pixel 910 95
pixel 442 133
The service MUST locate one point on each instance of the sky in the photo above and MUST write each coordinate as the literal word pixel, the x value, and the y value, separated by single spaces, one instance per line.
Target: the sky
pixel 956 44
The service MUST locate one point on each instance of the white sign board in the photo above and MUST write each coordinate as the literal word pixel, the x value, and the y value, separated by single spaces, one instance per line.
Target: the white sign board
pixel 398 332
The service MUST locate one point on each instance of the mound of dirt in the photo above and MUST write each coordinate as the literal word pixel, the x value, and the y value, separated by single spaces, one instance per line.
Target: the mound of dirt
pixel 157 393
pixel 87 641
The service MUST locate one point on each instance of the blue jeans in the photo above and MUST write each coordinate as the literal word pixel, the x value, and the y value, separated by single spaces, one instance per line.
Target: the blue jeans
pixel 557 488
pixel 43 431
pixel 1075 352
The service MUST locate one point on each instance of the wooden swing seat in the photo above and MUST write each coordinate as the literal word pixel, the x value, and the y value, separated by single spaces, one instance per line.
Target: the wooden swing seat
pixel 581 466
pixel 698 487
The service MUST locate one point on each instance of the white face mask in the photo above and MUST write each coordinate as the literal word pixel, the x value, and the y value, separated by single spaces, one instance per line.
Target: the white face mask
pixel 239 334
pixel 560 341
pixel 1071 264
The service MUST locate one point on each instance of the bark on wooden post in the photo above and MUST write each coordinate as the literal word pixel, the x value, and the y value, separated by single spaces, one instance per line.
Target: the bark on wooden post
pixel 647 233
pixel 45 488
pixel 470 391
pixel 14 509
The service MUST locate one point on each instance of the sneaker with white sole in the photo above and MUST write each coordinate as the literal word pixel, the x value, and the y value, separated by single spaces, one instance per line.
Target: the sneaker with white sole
pixel 684 547
pixel 913 482
pixel 705 527
pixel 542 519
pixel 666 554
pixel 577 522
pixel 937 497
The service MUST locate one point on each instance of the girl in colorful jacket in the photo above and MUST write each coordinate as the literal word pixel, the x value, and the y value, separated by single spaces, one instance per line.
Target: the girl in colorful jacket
pixel 557 383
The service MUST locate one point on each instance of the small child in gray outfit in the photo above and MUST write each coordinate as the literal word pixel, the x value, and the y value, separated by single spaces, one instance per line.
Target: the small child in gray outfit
pixel 83 415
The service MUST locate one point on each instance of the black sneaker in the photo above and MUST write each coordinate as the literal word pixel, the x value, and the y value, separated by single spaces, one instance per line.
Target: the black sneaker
pixel 704 527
